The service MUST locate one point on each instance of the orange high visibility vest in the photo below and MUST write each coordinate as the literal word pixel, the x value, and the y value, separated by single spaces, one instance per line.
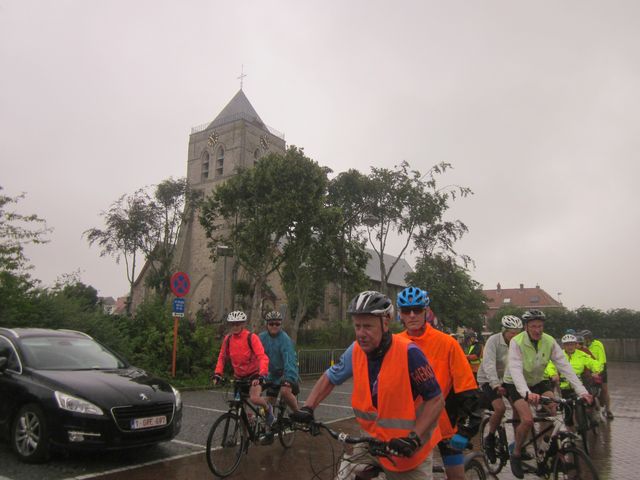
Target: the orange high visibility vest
pixel 450 365
pixel 395 415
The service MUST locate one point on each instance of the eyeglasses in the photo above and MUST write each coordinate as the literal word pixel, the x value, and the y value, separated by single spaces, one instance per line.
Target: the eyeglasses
pixel 274 324
pixel 408 310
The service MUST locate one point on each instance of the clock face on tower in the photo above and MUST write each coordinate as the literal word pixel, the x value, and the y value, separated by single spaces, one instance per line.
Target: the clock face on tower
pixel 264 143
pixel 213 139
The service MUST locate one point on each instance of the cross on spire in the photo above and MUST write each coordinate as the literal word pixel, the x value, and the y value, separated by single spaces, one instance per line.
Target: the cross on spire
pixel 242 75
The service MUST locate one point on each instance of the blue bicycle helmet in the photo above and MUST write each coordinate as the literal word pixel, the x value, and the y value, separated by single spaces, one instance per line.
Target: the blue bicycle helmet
pixel 413 297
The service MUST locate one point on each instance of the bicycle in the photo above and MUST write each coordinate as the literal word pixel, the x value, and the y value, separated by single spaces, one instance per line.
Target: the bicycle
pixel 555 449
pixel 361 471
pixel 233 432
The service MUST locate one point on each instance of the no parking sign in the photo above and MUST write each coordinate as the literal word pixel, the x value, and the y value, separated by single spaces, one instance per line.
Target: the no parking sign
pixel 180 284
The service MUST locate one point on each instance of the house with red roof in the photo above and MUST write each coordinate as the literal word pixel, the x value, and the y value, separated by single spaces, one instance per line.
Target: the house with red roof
pixel 523 297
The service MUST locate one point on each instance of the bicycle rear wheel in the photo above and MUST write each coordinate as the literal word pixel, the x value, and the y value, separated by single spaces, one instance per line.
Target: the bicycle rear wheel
pixel 225 444
pixel 286 434
pixel 500 449
pixel 573 464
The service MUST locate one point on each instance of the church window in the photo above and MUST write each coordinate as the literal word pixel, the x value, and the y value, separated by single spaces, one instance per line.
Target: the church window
pixel 220 161
pixel 205 165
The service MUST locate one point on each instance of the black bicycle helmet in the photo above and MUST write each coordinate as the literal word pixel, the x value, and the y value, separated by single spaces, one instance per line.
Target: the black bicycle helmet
pixel 372 303
pixel 272 315
pixel 533 315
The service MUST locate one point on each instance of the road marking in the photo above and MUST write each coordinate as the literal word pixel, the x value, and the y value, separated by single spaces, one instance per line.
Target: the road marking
pixel 205 409
pixel 332 393
pixel 133 467
pixel 189 444
pixel 335 406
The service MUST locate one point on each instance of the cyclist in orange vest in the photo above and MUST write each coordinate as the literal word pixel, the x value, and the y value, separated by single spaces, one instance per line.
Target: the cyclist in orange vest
pixel 396 396
pixel 454 375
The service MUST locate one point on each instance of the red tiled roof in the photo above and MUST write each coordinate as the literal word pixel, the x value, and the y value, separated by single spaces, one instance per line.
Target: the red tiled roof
pixel 519 297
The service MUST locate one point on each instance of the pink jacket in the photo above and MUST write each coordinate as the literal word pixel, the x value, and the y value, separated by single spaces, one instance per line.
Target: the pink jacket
pixel 245 363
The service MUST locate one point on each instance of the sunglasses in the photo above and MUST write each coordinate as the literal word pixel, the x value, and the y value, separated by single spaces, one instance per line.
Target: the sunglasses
pixel 274 324
pixel 408 310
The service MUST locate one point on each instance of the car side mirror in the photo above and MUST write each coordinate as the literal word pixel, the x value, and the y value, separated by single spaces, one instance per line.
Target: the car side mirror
pixel 3 363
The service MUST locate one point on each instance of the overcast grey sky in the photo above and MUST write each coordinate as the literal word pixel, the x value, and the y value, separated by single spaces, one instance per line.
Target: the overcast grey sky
pixel 534 103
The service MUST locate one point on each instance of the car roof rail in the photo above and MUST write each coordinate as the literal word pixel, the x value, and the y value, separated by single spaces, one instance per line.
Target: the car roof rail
pixel 75 331
pixel 13 332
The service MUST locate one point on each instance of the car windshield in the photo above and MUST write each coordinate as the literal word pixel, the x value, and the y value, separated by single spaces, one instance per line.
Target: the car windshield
pixel 66 353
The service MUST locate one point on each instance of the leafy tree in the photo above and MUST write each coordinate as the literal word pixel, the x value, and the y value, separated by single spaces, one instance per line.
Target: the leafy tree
pixel 348 192
pixel 171 202
pixel 456 298
pixel 16 231
pixel 140 223
pixel 409 205
pixel 265 212
pixel 126 230
pixel 316 257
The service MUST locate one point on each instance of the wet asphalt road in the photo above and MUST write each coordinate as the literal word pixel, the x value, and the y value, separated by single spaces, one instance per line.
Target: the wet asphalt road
pixel 614 452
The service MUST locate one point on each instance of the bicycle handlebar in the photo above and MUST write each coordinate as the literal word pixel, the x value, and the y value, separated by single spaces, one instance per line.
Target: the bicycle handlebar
pixel 376 447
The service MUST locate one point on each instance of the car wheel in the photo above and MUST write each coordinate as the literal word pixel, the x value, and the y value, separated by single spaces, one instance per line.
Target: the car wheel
pixel 29 434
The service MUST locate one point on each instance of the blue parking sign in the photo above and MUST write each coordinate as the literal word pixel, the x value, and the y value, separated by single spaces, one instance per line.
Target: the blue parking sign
pixel 178 307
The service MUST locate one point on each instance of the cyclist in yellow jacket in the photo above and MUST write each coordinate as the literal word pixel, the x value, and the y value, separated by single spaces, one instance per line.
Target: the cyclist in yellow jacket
pixel 597 348
pixel 578 360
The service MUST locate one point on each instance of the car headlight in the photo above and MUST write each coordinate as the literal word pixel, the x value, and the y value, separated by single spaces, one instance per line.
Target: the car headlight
pixel 178 398
pixel 77 405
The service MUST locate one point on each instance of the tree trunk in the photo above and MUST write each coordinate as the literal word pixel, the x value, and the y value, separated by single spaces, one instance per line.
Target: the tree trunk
pixel 256 305
pixel 383 277
pixel 300 313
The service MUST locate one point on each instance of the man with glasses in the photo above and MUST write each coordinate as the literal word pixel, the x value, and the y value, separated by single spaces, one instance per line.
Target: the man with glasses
pixel 453 373
pixel 396 397
pixel 524 380
pixel 283 364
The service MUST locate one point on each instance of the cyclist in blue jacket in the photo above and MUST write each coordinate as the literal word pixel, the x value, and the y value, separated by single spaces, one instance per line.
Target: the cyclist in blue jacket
pixel 283 363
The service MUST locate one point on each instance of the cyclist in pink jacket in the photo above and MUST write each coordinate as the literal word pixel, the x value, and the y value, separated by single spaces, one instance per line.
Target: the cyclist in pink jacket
pixel 248 360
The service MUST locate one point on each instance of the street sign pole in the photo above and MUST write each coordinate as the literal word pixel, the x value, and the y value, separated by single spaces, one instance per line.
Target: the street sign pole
pixel 180 285
pixel 175 346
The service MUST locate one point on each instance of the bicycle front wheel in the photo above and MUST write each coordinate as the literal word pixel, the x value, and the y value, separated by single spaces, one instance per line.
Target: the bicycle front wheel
pixel 582 425
pixel 473 469
pixel 573 464
pixel 500 450
pixel 225 443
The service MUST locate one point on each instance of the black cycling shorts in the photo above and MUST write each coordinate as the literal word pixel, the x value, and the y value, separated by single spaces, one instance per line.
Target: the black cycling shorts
pixel 488 395
pixel 539 388
pixel 273 390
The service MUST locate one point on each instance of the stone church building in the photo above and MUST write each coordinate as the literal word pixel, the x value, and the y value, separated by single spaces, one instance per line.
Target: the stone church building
pixel 236 138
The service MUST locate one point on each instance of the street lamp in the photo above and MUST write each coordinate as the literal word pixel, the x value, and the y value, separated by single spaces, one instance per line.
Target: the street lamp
pixel 223 251
pixel 559 301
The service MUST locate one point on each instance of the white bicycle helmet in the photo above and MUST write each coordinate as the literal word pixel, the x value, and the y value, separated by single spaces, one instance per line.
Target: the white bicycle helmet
pixel 511 321
pixel 236 317
pixel 568 338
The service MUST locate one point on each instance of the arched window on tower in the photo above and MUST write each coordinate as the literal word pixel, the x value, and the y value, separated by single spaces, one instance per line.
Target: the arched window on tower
pixel 220 161
pixel 205 165
pixel 256 155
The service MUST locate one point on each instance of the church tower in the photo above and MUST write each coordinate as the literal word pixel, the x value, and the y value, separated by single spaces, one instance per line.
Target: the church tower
pixel 234 140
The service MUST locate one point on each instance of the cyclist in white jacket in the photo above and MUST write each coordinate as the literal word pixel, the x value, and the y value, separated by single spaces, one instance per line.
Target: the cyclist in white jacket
pixel 490 375
pixel 529 353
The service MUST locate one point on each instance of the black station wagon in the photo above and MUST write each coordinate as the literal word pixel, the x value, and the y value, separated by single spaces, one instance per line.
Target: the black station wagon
pixel 62 389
